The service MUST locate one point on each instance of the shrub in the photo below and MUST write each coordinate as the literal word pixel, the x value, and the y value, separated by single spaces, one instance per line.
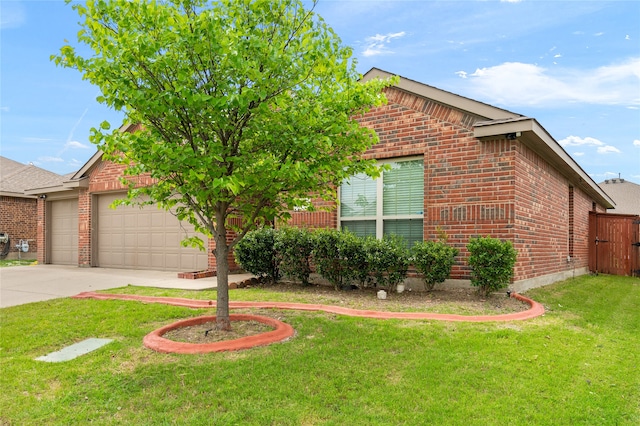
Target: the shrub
pixel 433 260
pixel 293 247
pixel 354 259
pixel 491 262
pixel 327 256
pixel 256 254
pixel 388 261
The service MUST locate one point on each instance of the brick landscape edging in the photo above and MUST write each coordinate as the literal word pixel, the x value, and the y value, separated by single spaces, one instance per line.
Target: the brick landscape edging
pixel 155 341
pixel 163 345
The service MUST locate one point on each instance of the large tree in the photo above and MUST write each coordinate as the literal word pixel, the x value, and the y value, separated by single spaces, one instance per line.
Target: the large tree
pixel 245 108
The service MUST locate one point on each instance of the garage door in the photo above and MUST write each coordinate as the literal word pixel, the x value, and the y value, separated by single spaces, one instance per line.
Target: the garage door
pixel 63 232
pixel 143 238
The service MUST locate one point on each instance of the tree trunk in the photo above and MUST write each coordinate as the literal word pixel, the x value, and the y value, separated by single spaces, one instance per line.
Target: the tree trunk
pixel 221 253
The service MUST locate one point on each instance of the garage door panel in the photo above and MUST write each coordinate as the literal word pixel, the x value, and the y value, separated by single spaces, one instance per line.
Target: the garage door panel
pixel 63 232
pixel 147 238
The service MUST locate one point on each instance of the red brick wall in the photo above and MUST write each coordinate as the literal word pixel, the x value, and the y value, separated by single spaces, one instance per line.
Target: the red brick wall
pixel 541 232
pixel 582 204
pixel 18 218
pixel 469 185
pixel 84 227
pixel 474 188
pixel 41 227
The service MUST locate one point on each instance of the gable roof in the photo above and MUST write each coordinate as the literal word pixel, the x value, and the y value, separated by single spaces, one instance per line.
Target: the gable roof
pixel 16 178
pixel 462 103
pixel 626 195
pixel 502 123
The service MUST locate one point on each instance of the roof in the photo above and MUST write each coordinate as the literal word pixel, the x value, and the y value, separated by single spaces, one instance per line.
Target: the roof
pixel 626 195
pixel 499 122
pixel 16 178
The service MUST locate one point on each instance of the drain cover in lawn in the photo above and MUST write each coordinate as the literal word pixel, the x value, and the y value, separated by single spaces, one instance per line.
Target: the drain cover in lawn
pixel 75 350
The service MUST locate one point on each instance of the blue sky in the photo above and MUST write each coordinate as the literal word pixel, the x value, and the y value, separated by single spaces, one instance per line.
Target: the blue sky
pixel 572 65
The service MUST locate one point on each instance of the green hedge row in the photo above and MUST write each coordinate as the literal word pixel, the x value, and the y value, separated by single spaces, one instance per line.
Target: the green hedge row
pixel 346 260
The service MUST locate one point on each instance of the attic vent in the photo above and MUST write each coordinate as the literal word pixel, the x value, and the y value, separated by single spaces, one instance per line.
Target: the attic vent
pixel 614 180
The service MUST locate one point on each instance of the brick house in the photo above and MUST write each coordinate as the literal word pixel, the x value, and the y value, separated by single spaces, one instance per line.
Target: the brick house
pixel 467 169
pixel 78 226
pixel 458 166
pixel 18 211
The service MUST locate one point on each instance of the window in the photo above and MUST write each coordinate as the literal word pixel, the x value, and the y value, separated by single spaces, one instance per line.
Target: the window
pixel 391 204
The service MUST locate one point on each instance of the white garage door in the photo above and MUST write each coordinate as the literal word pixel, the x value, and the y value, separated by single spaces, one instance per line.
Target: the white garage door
pixel 144 238
pixel 63 232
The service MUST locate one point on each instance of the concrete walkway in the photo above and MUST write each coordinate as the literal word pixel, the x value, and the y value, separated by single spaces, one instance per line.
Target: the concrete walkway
pixel 27 284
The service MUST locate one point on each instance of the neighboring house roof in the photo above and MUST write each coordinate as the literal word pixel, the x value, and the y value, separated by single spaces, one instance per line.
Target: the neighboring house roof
pixel 502 123
pixel 16 178
pixel 626 195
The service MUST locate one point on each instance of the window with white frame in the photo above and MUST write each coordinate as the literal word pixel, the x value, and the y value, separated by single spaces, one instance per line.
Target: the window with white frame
pixel 391 204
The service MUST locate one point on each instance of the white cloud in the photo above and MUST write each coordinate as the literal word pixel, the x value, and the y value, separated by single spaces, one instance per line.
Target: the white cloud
pixel 578 154
pixel 510 1
pixel 13 15
pixel 4 109
pixel 601 147
pixel 377 44
pixel 50 159
pixel 636 142
pixel 517 84
pixel 74 163
pixel 599 34
pixel 627 37
pixel 578 141
pixel 75 144
pixel 608 149
pixel 461 74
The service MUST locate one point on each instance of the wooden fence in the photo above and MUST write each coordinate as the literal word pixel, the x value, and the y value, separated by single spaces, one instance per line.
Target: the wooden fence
pixel 614 244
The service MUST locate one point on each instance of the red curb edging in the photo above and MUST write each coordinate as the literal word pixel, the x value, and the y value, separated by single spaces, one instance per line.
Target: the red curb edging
pixel 535 310
pixel 155 341
pixel 196 275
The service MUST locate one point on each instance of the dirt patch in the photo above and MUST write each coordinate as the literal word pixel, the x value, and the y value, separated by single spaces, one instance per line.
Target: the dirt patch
pixel 207 332
pixel 463 301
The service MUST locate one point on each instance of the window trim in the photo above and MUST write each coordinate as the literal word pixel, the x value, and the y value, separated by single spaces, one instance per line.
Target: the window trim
pixel 379 218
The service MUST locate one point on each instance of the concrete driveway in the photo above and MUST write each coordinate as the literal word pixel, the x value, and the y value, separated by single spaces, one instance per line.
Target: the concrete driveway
pixel 26 284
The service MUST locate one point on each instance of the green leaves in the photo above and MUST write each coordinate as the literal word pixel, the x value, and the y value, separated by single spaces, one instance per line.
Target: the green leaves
pixel 491 262
pixel 244 106
pixel 433 260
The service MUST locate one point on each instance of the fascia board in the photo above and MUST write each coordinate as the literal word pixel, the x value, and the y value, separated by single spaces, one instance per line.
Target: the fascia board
pixel 443 97
pixel 16 195
pixel 47 190
pixel 87 166
pixel 78 183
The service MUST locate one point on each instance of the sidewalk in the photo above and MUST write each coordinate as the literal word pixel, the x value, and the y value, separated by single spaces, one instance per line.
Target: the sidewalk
pixel 27 284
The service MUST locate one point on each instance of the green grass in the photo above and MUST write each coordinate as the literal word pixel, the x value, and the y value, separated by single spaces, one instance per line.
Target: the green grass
pixel 578 364
pixel 15 262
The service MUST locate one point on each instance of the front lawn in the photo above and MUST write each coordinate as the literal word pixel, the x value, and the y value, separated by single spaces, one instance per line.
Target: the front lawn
pixel 15 262
pixel 578 364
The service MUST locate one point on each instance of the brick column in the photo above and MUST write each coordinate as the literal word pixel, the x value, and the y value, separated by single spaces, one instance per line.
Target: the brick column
pixel 84 228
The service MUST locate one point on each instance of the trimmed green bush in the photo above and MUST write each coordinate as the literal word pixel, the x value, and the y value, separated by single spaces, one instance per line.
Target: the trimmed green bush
pixel 433 260
pixel 491 262
pixel 354 256
pixel 328 257
pixel 293 247
pixel 388 261
pixel 256 254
